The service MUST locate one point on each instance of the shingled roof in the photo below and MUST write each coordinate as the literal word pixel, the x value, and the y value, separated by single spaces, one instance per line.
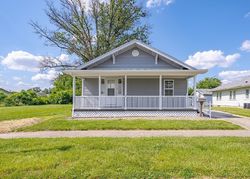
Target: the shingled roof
pixel 241 83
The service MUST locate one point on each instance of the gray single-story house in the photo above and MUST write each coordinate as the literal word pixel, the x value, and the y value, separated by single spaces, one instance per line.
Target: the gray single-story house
pixel 236 93
pixel 134 80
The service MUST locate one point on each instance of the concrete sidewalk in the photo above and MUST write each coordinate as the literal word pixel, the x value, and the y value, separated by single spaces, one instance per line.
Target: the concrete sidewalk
pixel 131 133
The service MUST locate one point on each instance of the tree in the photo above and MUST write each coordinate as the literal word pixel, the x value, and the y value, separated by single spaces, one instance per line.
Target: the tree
pixel 90 32
pixel 2 96
pixel 65 83
pixel 208 83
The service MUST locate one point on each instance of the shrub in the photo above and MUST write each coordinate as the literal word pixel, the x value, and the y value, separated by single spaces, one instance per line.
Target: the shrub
pixel 61 97
pixel 2 96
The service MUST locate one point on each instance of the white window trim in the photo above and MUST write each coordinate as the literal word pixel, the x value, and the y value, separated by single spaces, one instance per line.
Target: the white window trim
pixel 233 96
pixel 219 96
pixel 168 88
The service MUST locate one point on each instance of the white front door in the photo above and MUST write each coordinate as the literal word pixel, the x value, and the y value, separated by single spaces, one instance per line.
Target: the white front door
pixel 111 87
pixel 113 90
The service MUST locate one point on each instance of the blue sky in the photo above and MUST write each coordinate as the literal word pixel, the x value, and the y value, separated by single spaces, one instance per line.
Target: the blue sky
pixel 212 34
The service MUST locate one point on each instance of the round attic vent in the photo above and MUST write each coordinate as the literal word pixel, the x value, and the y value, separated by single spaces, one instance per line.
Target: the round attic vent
pixel 135 53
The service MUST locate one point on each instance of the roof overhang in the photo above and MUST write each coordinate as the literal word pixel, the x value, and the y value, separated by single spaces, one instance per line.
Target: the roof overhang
pixel 230 88
pixel 136 72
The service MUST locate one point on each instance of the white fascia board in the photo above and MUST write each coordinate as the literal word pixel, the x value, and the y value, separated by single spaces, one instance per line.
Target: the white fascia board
pixel 110 53
pixel 137 72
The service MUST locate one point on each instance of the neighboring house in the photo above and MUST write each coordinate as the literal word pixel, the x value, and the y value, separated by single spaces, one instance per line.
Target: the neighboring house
pixel 207 94
pixel 232 94
pixel 134 80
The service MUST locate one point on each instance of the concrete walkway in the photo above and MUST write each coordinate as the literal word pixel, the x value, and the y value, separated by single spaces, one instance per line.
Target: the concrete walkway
pixel 243 122
pixel 132 133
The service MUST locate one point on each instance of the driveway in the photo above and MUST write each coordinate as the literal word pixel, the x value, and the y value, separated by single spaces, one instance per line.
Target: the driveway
pixel 222 115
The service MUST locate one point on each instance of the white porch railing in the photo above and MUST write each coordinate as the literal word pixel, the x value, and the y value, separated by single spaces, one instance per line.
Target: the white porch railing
pixel 134 102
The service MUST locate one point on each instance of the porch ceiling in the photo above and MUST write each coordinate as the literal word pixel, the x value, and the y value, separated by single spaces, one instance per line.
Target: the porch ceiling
pixel 135 72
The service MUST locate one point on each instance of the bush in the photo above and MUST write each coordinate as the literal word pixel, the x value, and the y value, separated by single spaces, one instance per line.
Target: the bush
pixel 25 98
pixel 61 97
pixel 2 96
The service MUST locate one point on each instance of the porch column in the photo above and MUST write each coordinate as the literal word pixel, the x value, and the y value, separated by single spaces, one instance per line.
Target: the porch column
pixel 74 94
pixel 99 91
pixel 83 80
pixel 195 97
pixel 125 92
pixel 160 92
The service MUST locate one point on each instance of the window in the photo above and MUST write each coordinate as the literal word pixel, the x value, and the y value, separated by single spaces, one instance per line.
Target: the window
pixel 168 87
pixel 111 87
pixel 247 94
pixel 219 95
pixel 232 95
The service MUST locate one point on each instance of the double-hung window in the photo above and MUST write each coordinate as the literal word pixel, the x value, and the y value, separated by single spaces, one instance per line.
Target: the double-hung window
pixel 247 93
pixel 168 87
pixel 232 95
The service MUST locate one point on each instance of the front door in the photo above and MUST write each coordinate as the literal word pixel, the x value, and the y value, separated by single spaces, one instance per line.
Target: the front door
pixel 111 87
pixel 113 93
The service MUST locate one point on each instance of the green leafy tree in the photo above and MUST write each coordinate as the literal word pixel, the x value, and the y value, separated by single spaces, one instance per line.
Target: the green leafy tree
pixel 90 32
pixel 28 97
pixel 65 83
pixel 208 83
pixel 61 97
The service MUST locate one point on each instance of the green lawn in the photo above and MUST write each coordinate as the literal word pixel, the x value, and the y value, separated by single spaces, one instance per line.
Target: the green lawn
pixel 20 112
pixel 234 110
pixel 125 158
pixel 59 123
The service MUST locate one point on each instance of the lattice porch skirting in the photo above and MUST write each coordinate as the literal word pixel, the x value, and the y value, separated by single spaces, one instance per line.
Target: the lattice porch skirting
pixel 111 114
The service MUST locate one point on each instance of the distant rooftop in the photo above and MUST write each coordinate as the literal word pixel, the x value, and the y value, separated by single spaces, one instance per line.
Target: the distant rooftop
pixel 240 83
pixel 204 91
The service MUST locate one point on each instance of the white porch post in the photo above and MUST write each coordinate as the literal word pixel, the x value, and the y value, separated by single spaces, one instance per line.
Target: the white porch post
pixel 125 92
pixel 83 80
pixel 99 91
pixel 74 94
pixel 195 97
pixel 160 92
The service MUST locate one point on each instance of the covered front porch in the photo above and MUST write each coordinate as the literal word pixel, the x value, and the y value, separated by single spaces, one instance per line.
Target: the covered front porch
pixel 133 92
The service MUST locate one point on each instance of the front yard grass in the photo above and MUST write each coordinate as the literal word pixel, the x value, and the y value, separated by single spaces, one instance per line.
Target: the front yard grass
pixel 234 110
pixel 125 158
pixel 60 123
pixel 20 112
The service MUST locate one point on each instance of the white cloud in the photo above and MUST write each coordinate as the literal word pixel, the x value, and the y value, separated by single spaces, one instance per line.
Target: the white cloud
pixel 247 15
pixel 21 60
pixel 16 78
pixel 229 76
pixel 155 3
pixel 25 61
pixel 49 76
pixel 245 46
pixel 211 58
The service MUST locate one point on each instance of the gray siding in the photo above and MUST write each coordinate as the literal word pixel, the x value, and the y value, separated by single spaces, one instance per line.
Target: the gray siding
pixel 91 87
pixel 144 60
pixel 139 87
pixel 143 87
pixel 180 87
